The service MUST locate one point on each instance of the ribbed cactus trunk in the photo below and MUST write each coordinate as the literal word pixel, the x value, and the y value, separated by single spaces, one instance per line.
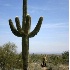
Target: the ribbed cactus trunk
pixel 24 32
pixel 25 51
pixel 25 39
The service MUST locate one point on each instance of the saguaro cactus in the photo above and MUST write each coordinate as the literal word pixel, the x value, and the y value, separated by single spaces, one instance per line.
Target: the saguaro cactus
pixel 24 32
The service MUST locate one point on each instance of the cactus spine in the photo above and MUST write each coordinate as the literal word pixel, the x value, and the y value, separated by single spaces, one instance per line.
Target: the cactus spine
pixel 24 32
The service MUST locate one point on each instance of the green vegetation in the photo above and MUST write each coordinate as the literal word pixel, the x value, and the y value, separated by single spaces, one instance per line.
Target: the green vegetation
pixel 11 60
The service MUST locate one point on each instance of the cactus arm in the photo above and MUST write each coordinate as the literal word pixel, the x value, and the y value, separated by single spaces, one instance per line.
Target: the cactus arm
pixel 37 28
pixel 27 25
pixel 13 29
pixel 28 21
pixel 18 25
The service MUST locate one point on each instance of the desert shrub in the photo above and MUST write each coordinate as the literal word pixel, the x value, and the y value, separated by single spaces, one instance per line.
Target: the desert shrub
pixel 65 57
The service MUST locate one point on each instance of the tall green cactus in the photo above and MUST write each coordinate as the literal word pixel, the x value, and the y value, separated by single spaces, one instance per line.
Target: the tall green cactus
pixel 24 32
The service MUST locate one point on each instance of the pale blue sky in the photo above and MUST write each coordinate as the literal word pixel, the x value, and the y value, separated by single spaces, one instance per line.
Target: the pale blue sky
pixel 54 33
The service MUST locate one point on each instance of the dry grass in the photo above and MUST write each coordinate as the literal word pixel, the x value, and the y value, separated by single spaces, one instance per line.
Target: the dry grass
pixel 36 66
